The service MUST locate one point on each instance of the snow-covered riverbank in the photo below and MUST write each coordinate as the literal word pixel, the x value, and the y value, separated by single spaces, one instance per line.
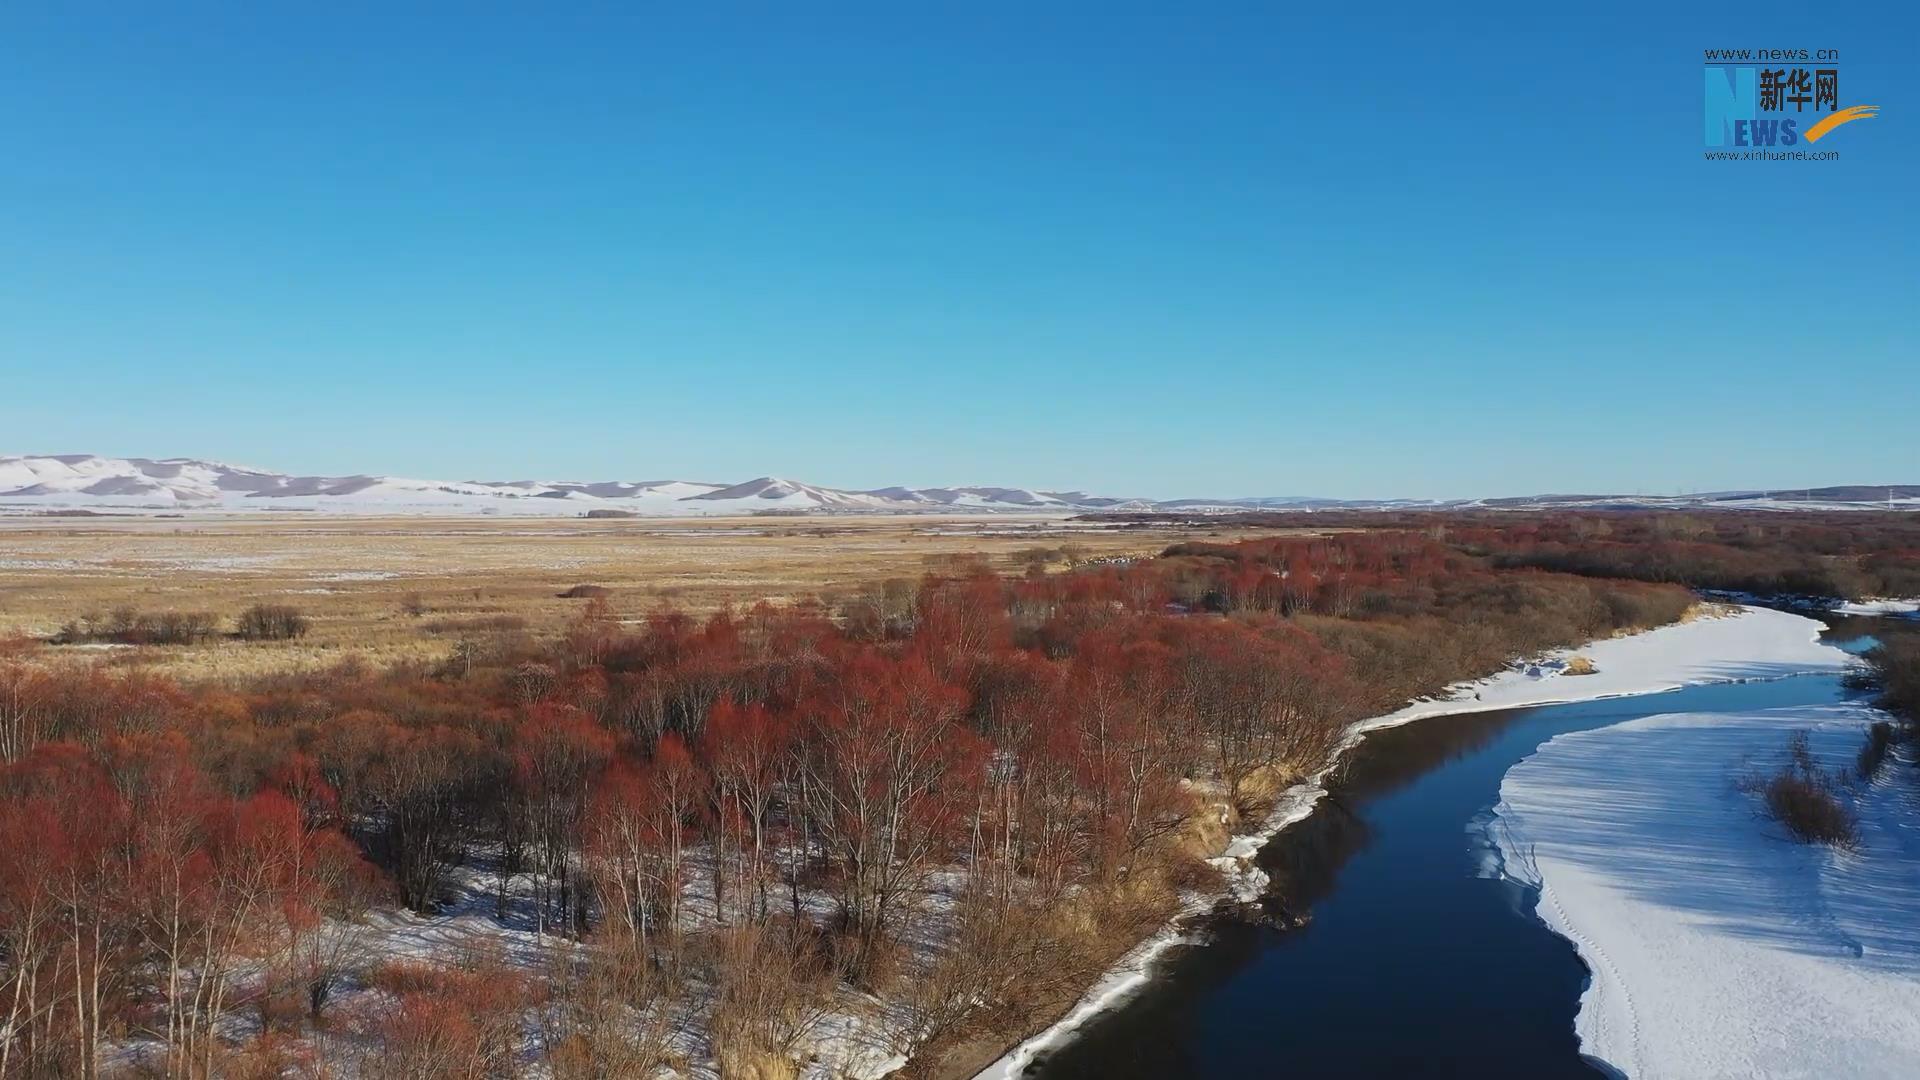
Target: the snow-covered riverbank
pixel 1745 643
pixel 1718 946
pixel 1906 609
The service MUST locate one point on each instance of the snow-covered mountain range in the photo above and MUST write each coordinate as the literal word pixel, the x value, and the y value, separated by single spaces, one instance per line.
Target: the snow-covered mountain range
pixel 31 483
pixel 87 481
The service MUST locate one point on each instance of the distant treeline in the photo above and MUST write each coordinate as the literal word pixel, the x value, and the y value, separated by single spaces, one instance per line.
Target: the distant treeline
pixel 1849 555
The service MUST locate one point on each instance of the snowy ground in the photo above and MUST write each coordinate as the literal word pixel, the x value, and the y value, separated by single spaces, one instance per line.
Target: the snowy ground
pixel 1720 947
pixel 1740 644
pixel 853 1039
pixel 851 1042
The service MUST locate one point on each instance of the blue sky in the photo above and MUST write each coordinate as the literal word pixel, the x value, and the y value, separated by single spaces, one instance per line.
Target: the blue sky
pixel 1223 252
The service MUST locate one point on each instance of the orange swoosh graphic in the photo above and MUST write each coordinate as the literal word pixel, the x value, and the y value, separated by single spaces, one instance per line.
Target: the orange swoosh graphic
pixel 1856 112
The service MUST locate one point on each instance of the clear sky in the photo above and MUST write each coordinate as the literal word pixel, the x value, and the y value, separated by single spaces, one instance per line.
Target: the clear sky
pixel 1228 251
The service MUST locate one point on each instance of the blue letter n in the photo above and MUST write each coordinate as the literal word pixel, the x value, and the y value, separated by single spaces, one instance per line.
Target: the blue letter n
pixel 1730 97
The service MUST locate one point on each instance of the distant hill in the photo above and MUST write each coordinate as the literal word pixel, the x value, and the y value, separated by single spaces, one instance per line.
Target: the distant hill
pixel 76 482
pixel 88 481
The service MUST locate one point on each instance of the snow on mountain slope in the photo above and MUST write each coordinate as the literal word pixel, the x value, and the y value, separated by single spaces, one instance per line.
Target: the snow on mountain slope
pixel 974 496
pixel 83 477
pixel 646 489
pixel 85 481
pixel 773 493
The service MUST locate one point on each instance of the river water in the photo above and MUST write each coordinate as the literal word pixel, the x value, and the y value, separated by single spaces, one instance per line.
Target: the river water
pixel 1415 958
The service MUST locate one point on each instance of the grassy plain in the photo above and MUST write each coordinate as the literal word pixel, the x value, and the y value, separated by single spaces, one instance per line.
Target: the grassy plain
pixel 390 589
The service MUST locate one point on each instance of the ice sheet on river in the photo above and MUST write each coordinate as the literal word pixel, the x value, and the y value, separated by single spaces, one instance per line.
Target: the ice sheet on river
pixel 1718 946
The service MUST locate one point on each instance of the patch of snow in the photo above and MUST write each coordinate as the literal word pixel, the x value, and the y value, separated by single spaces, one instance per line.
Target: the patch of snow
pixel 843 1049
pixel 217 563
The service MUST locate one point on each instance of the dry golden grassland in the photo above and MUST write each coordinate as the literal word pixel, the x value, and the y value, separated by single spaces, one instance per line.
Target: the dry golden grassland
pixel 390 589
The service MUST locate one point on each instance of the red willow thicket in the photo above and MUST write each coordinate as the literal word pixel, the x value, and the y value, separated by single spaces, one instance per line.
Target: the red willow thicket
pixel 1851 554
pixel 132 892
pixel 1015 774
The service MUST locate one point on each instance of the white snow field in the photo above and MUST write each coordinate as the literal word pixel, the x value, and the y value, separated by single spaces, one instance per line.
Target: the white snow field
pixel 1718 946
pixel 1740 644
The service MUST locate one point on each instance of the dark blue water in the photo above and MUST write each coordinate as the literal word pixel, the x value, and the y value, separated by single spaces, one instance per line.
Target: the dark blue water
pixel 1414 960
